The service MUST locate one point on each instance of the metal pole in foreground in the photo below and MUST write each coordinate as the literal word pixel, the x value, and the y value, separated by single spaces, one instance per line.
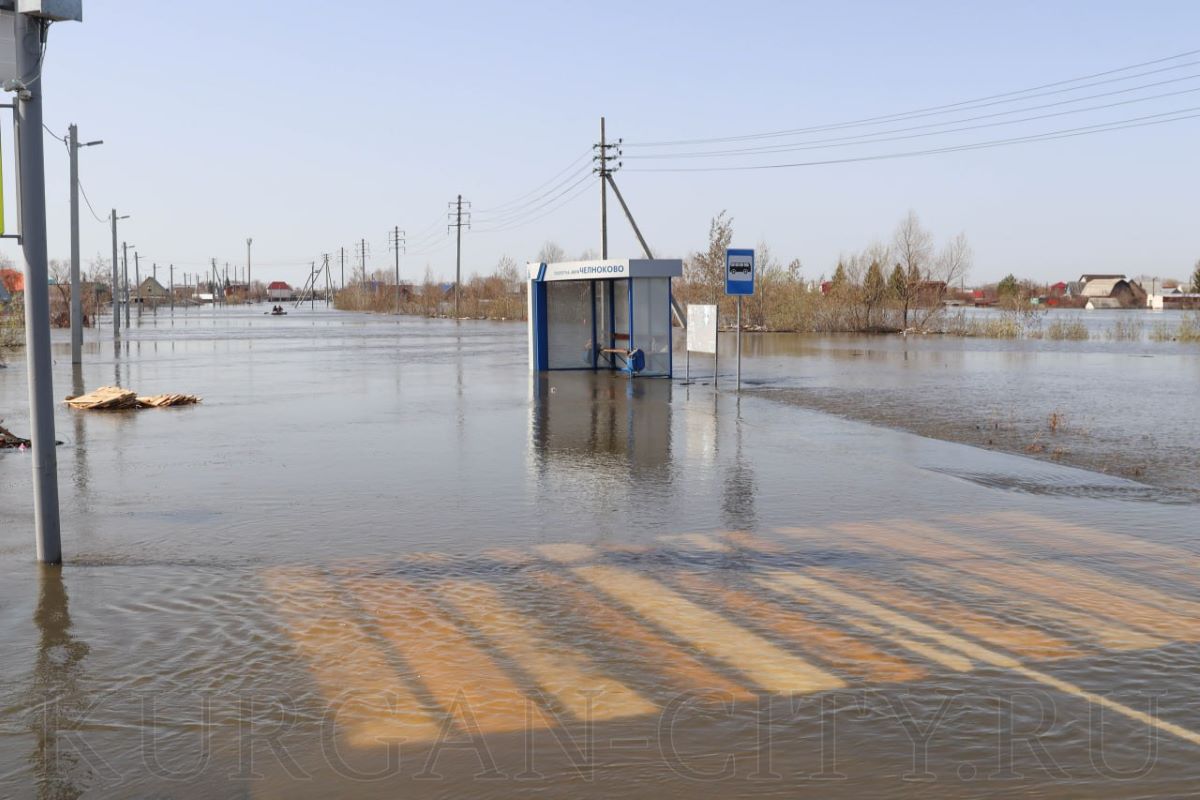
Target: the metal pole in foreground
pixel 76 288
pixel 739 344
pixel 29 33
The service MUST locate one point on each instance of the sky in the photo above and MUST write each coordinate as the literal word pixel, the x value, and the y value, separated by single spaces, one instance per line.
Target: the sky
pixel 310 126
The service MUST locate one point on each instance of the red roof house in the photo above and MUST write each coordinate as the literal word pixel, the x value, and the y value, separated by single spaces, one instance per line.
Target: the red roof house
pixel 13 280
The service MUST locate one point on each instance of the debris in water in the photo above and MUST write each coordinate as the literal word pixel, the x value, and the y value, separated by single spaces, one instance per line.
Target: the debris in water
pixel 8 439
pixel 114 397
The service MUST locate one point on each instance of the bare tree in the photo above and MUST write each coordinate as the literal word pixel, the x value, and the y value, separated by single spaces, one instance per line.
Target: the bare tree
pixel 551 253
pixel 951 266
pixel 913 246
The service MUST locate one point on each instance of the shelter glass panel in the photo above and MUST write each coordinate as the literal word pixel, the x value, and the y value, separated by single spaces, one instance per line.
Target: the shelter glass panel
pixel 604 333
pixel 652 322
pixel 569 329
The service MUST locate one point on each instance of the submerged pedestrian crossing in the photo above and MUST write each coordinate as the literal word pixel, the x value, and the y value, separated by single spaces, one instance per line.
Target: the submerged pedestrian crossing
pixel 566 633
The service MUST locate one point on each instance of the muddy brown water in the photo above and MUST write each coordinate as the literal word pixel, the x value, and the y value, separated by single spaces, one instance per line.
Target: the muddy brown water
pixel 380 560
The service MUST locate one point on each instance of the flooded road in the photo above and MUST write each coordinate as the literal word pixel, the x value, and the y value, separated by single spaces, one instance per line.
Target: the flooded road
pixel 379 560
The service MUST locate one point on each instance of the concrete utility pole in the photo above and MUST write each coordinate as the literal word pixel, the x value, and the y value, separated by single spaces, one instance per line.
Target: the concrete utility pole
pixel 312 286
pixel 603 193
pixel 456 210
pixel 249 241
pixel 29 33
pixel 116 304
pixel 125 279
pixel 398 241
pixel 602 159
pixel 73 146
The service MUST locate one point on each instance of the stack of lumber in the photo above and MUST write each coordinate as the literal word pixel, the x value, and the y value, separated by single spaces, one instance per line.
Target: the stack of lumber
pixel 164 400
pixel 114 397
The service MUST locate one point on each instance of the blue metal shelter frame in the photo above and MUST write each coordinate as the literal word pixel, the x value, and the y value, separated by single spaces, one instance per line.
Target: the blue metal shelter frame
pixel 619 310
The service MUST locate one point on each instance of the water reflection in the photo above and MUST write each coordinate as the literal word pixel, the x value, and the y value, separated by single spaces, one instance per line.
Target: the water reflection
pixel 599 439
pixel 738 488
pixel 57 679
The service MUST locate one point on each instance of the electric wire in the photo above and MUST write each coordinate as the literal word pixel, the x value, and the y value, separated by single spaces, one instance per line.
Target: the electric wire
pixel 880 136
pixel 539 187
pixel 503 223
pixel 1066 133
pixel 559 206
pixel 979 102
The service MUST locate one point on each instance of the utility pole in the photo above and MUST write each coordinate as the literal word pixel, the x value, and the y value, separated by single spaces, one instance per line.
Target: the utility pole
pixel 249 241
pixel 73 146
pixel 399 238
pixel 116 304
pixel 602 158
pixel 456 213
pixel 29 35
pixel 362 246
pixel 212 287
pixel 325 269
pixel 125 279
pixel 312 286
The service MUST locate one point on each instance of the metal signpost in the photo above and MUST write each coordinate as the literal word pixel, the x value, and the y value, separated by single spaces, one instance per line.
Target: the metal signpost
pixel 29 23
pixel 739 281
pixel 701 338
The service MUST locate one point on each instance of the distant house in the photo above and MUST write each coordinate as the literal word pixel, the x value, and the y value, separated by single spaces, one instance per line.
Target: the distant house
pixel 150 291
pixel 1057 289
pixel 1112 291
pixel 279 290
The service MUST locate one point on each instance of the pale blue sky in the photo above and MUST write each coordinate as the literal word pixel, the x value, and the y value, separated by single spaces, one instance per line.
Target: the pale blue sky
pixel 309 125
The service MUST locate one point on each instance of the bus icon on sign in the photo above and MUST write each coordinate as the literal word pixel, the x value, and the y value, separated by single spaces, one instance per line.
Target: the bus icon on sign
pixel 739 271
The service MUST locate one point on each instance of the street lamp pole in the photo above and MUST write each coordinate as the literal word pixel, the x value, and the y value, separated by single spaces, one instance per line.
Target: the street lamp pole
pixel 116 283
pixel 73 147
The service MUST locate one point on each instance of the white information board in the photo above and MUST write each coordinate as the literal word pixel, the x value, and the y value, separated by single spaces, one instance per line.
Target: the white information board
pixel 702 329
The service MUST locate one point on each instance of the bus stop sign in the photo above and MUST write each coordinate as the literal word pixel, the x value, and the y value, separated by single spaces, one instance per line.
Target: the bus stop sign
pixel 739 271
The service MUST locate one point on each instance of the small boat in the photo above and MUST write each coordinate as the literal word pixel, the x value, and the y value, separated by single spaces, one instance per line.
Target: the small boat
pixel 276 313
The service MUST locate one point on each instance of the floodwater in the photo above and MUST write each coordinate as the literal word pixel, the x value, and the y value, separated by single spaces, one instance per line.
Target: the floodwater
pixel 379 560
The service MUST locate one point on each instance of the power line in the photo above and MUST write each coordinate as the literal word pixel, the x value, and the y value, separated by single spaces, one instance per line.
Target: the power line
pixel 495 216
pixel 521 223
pixel 1066 133
pixel 83 192
pixel 880 136
pixel 510 218
pixel 538 188
pixel 1019 94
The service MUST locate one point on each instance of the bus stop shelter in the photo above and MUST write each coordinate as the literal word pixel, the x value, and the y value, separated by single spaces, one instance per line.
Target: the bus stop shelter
pixel 610 314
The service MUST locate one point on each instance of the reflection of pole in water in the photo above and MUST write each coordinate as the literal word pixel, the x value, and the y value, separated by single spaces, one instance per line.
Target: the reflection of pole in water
pixel 737 498
pixel 79 425
pixel 56 678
